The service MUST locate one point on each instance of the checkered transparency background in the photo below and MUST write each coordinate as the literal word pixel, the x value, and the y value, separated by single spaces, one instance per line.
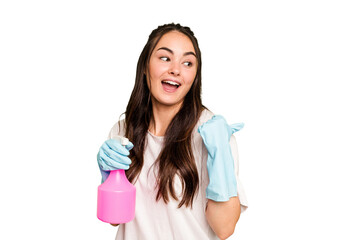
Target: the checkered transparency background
pixel 290 70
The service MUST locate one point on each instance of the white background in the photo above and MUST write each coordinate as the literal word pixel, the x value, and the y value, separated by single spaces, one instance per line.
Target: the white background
pixel 290 70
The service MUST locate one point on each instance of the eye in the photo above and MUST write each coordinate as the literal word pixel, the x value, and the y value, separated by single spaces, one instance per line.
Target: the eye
pixel 189 64
pixel 165 59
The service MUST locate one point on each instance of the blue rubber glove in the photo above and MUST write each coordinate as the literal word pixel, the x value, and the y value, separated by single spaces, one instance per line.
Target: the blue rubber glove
pixel 216 134
pixel 113 155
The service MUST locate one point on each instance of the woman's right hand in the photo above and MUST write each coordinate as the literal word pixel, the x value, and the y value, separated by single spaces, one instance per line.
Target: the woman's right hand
pixel 113 155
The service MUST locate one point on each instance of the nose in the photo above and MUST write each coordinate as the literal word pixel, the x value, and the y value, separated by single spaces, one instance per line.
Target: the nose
pixel 174 69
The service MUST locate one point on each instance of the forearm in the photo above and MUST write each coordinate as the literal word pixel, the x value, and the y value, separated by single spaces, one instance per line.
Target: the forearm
pixel 223 216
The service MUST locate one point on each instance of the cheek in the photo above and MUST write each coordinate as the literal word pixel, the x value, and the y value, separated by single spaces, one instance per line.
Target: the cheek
pixel 156 70
pixel 152 69
pixel 189 77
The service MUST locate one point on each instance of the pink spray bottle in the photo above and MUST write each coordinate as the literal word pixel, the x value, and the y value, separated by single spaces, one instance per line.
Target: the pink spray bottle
pixel 116 196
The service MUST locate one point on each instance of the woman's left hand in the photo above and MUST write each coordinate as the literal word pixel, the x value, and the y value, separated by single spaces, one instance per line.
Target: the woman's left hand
pixel 216 134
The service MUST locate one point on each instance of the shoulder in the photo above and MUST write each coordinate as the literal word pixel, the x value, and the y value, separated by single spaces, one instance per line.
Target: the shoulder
pixel 205 116
pixel 118 129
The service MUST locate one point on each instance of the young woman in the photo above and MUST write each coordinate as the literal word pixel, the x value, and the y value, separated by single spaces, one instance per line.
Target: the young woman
pixel 182 158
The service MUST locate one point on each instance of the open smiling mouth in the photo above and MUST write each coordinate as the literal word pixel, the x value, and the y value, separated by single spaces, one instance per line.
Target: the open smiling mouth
pixel 171 83
pixel 170 86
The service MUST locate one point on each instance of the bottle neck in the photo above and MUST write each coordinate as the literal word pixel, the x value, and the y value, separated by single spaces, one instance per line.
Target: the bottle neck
pixel 118 175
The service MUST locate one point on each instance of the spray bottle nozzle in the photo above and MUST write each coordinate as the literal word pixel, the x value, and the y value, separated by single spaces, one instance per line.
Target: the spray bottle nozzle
pixel 123 140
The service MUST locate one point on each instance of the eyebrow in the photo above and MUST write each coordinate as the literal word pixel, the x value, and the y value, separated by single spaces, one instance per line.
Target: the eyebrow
pixel 169 50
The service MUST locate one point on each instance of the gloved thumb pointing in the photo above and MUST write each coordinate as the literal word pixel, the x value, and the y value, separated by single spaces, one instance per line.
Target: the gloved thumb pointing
pixel 236 127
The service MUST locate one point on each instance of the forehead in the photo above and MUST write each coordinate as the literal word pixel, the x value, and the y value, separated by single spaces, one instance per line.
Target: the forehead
pixel 175 41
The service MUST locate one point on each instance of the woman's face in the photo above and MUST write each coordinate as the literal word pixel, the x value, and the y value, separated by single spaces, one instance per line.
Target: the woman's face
pixel 172 69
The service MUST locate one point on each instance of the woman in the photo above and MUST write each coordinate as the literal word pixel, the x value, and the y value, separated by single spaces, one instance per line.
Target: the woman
pixel 181 157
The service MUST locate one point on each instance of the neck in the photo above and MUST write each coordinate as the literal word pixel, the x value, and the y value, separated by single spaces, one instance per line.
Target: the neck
pixel 162 116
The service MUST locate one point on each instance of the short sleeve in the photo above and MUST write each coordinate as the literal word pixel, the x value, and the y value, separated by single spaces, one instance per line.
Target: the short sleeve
pixel 240 189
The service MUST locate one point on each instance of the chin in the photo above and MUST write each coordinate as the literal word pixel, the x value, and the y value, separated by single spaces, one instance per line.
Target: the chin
pixel 169 102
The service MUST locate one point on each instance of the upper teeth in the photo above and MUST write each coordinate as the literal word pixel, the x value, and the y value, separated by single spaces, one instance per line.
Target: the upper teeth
pixel 173 83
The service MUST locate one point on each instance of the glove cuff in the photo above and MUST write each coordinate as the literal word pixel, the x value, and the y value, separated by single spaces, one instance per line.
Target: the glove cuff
pixel 222 179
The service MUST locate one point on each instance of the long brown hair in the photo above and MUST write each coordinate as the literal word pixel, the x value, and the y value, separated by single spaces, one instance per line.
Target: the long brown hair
pixel 176 157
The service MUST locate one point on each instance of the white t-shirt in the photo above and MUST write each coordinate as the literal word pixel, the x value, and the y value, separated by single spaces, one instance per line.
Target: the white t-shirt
pixel 155 220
